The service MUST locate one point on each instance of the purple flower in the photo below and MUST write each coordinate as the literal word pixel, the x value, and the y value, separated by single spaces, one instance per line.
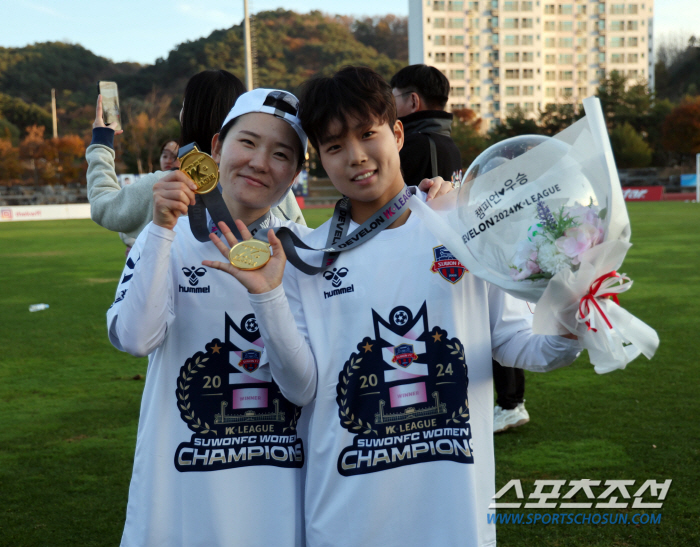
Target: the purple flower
pixel 546 216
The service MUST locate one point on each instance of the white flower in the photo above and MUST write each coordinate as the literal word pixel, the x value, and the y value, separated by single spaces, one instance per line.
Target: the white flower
pixel 550 259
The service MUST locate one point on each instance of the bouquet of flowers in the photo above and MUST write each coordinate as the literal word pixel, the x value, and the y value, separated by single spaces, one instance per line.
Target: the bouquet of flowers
pixel 545 220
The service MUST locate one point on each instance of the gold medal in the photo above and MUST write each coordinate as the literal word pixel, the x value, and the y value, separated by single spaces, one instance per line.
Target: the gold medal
pixel 249 255
pixel 202 169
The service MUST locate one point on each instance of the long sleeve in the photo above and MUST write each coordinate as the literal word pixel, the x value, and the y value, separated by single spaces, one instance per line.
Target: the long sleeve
pixel 292 363
pixel 514 345
pixel 143 309
pixel 127 209
pixel 289 209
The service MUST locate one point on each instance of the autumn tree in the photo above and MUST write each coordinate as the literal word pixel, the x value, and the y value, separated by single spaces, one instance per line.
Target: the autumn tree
pixel 681 128
pixel 466 134
pixel 10 166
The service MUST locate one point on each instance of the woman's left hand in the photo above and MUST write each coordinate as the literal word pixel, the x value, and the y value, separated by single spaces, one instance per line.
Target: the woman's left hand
pixel 435 187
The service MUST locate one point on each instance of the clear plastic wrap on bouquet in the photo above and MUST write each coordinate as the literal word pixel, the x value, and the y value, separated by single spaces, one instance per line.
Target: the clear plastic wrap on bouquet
pixel 550 226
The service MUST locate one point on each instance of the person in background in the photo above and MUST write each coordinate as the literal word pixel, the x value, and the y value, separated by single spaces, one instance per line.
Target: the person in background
pixel 209 96
pixel 168 156
pixel 421 93
pixel 510 406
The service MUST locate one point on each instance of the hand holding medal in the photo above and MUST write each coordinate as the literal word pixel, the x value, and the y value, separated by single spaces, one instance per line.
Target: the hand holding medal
pixel 259 266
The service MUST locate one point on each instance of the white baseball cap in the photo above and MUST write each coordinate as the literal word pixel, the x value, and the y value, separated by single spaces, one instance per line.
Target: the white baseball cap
pixel 281 104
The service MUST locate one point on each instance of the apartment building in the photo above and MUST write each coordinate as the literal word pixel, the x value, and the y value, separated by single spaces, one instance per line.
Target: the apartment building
pixel 503 54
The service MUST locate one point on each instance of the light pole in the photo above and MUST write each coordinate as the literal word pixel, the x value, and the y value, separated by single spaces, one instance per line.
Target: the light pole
pixel 248 48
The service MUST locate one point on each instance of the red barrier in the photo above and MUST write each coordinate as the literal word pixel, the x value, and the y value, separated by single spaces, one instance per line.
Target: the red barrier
pixel 643 193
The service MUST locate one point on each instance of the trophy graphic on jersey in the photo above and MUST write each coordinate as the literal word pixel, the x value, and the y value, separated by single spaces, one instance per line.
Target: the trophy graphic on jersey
pixel 235 410
pixel 404 395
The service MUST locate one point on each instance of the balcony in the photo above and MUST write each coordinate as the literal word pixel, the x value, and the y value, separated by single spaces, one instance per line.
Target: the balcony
pixel 496 96
pixel 494 12
pixel 601 16
pixel 496 63
pixel 601 31
pixel 496 80
pixel 493 29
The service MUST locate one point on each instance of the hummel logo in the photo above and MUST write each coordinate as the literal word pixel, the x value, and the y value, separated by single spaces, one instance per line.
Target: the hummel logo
pixel 335 276
pixel 193 274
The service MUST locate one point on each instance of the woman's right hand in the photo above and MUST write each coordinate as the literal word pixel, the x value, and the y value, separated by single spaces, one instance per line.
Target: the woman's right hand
pixel 171 196
pixel 99 122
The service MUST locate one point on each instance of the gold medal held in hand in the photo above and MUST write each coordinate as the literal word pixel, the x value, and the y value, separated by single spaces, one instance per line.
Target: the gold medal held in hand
pixel 199 167
pixel 249 255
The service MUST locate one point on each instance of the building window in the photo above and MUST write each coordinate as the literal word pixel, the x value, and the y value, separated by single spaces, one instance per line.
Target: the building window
pixel 457 22
pixel 512 74
pixel 566 26
pixel 581 10
pixel 525 6
pixel 632 73
pixel 494 39
pixel 617 41
pixel 510 40
pixel 566 92
pixel 549 9
pixel 632 9
pixel 617 58
pixel 475 91
pixel 458 106
pixel 601 41
pixel 550 26
pixel 476 107
pixel 601 25
pixel 512 57
pixel 455 6
pixel 473 5
pixel 474 23
pixel 550 75
pixel 549 92
pixel 566 42
pixel 439 22
pixel 439 5
pixel 617 25
pixel 510 107
pixel 528 73
pixel 601 57
pixel 493 90
pixel 512 91
pixel 582 42
pixel 528 90
pixel 457 91
pixel 550 42
pixel 509 22
pixel 528 57
pixel 456 40
pixel 632 58
pixel 526 40
pixel 632 25
pixel 474 41
pixel 510 5
pixel 583 75
pixel 527 23
pixel 456 57
pixel 582 91
pixel 550 59
pixel 565 9
pixel 456 75
pixel 617 9
pixel 439 40
pixel 474 57
pixel 600 74
pixel 566 59
pixel 582 59
pixel 632 42
pixel 493 73
pixel 474 74
pixel 439 57
pixel 566 75
pixel 529 107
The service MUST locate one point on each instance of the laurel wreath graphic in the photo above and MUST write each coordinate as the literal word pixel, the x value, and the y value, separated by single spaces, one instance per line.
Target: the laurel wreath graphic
pixel 183 385
pixel 293 422
pixel 357 425
pixel 462 414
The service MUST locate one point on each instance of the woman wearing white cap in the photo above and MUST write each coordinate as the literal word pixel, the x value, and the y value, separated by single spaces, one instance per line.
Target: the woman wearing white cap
pixel 218 458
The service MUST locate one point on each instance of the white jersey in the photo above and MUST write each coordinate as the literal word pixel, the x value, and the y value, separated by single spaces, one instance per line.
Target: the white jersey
pixel 400 447
pixel 218 458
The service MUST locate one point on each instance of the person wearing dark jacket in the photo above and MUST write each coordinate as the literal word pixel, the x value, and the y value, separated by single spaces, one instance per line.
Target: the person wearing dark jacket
pixel 421 93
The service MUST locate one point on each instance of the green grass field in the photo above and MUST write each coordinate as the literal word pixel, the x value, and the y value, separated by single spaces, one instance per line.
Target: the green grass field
pixel 69 401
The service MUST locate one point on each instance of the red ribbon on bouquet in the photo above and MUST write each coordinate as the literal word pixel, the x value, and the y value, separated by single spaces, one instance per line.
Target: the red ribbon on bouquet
pixel 584 307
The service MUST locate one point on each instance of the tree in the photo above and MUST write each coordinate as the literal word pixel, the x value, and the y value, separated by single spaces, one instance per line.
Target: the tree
pixel 388 35
pixel 466 133
pixel 629 148
pixel 10 167
pixel 681 128
pixel 557 117
pixel 516 123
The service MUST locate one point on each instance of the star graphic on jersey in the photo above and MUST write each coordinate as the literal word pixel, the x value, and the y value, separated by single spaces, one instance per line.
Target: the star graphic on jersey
pixel 215 348
pixel 400 318
pixel 367 347
pixel 437 337
pixel 251 325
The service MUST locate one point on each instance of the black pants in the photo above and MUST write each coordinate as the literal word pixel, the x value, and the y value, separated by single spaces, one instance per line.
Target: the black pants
pixel 510 385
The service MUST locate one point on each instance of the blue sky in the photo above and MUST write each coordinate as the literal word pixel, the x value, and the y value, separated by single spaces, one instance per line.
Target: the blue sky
pixel 142 31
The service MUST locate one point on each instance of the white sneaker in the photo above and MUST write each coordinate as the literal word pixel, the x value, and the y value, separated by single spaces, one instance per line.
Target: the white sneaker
pixel 505 419
pixel 521 408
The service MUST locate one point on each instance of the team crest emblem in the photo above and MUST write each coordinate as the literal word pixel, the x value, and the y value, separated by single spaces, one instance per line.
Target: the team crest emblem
pixel 447 265
pixel 404 355
pixel 250 360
